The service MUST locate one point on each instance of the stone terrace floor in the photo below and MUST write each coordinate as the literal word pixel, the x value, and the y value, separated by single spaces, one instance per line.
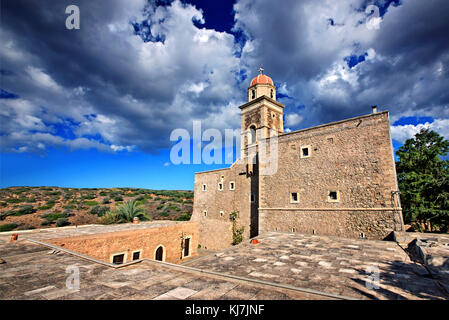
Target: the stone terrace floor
pixel 328 264
pixel 36 272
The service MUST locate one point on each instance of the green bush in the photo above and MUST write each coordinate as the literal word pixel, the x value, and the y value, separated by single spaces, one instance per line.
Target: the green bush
pixel 184 217
pixel 91 203
pixel 45 223
pixel 16 200
pixel 61 222
pixel 118 198
pixel 159 207
pixel 50 204
pixel 7 227
pixel 164 214
pixel 69 206
pixel 53 216
pixel 106 200
pixel 99 211
pixel 28 209
pixel 3 204
pixel 103 193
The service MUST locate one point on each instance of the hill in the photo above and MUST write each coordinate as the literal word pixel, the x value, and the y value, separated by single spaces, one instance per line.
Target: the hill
pixel 24 208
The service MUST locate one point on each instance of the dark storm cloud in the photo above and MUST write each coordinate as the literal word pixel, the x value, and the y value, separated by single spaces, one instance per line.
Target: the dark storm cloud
pixel 141 83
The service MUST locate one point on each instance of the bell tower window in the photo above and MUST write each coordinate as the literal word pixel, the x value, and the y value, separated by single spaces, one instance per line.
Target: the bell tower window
pixel 252 131
pixel 271 93
pixel 253 94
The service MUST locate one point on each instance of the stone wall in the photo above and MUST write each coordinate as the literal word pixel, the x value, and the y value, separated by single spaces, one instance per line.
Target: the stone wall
pixel 368 224
pixel 103 246
pixel 215 234
pixel 219 204
pixel 354 158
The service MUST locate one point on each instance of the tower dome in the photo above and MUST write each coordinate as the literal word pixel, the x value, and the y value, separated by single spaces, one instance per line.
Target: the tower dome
pixel 261 79
pixel 261 85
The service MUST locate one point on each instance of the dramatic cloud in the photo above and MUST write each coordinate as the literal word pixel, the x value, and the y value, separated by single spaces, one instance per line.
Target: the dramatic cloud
pixel 401 133
pixel 135 71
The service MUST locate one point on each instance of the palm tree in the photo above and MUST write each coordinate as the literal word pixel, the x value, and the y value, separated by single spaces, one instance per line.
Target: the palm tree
pixel 128 210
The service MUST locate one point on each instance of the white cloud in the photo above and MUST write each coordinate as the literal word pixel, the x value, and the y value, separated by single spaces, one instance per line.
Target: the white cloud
pixel 401 133
pixel 293 119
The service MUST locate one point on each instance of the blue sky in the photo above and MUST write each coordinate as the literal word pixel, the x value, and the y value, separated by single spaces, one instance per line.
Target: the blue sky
pixel 95 107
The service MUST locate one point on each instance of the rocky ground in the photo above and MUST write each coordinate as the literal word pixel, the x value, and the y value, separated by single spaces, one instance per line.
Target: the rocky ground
pixel 24 208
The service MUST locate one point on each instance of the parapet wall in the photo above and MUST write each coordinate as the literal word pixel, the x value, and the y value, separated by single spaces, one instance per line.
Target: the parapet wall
pixel 103 246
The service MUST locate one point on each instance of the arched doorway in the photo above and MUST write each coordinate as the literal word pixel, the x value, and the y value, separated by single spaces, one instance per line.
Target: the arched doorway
pixel 159 254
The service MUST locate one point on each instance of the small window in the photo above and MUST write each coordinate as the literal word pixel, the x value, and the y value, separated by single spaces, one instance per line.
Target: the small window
pixel 330 140
pixel 294 197
pixel 205 213
pixel 253 94
pixel 252 197
pixel 293 229
pixel 271 93
pixel 222 214
pixel 204 187
pixel 333 196
pixel 136 255
pixel 220 186
pixel 186 252
pixel 305 152
pixel 231 185
pixel 118 258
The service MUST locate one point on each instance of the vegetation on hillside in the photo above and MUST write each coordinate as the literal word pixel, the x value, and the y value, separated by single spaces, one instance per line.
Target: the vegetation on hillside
pixel 44 207
pixel 423 177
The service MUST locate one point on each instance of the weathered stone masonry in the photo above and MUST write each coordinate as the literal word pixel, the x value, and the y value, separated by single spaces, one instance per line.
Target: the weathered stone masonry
pixel 333 179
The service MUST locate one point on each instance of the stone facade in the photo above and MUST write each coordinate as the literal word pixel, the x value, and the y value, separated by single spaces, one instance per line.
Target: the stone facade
pixel 333 179
pixel 104 246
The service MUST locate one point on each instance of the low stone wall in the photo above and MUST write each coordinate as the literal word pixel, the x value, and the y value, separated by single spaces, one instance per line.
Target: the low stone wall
pixel 215 234
pixel 376 224
pixel 104 245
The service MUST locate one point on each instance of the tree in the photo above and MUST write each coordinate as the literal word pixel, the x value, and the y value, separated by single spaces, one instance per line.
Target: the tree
pixel 127 211
pixel 423 178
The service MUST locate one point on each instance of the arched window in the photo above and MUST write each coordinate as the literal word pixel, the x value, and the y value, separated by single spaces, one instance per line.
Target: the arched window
pixel 159 254
pixel 253 94
pixel 271 93
pixel 252 131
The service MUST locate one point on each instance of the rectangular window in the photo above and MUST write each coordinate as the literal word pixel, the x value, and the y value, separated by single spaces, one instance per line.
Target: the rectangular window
pixel 186 247
pixel 204 187
pixel 252 197
pixel 294 197
pixel 304 152
pixel 136 255
pixel 231 185
pixel 118 258
pixel 333 196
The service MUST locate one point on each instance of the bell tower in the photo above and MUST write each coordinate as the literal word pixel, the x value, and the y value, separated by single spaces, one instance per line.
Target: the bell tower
pixel 262 115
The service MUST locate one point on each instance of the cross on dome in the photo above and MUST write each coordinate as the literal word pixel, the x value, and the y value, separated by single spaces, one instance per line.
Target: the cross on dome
pixel 261 70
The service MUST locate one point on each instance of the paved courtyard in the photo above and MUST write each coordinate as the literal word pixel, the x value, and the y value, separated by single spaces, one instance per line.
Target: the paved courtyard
pixel 281 266
pixel 329 264
pixel 35 272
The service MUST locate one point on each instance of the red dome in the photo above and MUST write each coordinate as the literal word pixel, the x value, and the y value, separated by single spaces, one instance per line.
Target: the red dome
pixel 261 79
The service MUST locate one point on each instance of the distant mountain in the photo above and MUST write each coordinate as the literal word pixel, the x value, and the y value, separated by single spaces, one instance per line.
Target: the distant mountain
pixel 24 208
